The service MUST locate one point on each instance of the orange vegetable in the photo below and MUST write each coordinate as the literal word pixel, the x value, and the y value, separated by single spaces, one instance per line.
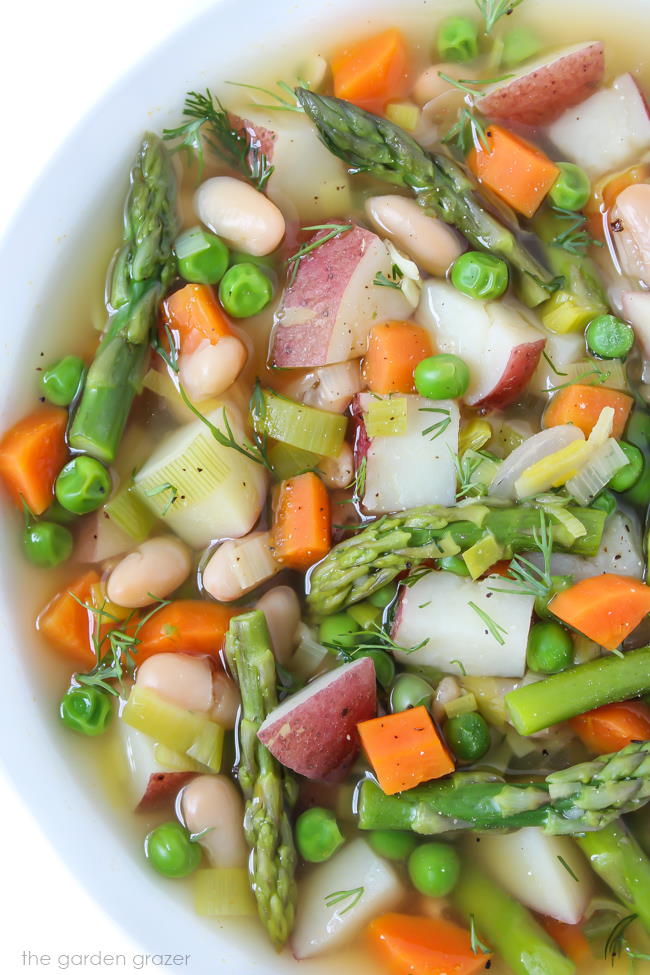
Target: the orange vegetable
pixel 404 749
pixel 606 608
pixel 67 626
pixel 582 405
pixel 569 937
pixel 613 726
pixel 185 625
pixel 606 192
pixel 372 72
pixel 501 568
pixel 193 314
pixel 302 522
pixel 32 453
pixel 394 350
pixel 424 946
pixel 515 170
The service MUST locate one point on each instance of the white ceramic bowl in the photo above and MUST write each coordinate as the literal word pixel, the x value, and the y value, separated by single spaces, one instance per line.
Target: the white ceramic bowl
pixel 69 226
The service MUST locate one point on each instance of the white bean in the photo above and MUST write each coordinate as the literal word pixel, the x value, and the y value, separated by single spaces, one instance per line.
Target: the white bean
pixel 213 803
pixel 179 678
pixel 212 369
pixel 281 607
pixel 243 216
pixel 430 242
pixel 330 388
pixel 227 700
pixel 239 565
pixel 338 471
pixel 153 571
pixel 429 84
pixel 446 691
pixel 630 223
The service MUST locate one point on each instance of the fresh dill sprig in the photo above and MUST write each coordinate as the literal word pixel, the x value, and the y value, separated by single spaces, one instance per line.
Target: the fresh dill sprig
pixel 395 281
pixel 475 942
pixel 227 439
pixel 493 10
pixel 436 429
pixel 553 366
pixel 161 489
pixel 339 896
pixel 568 869
pixel 279 102
pixel 599 375
pixel 616 941
pixel 470 127
pixel 528 579
pixel 168 355
pixel 574 238
pixel 461 666
pixel 495 628
pixel 333 230
pixel 466 467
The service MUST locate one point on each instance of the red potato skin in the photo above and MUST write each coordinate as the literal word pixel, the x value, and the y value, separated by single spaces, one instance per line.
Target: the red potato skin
pixel 162 788
pixel 519 370
pixel 319 739
pixel 540 97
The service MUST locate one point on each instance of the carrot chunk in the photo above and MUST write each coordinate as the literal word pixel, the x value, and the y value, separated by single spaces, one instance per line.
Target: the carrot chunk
pixel 67 625
pixel 302 524
pixel 394 350
pixel 372 72
pixel 424 946
pixel 193 314
pixel 185 626
pixel 613 726
pixel 32 453
pixel 606 608
pixel 518 172
pixel 404 749
pixel 569 937
pixel 582 405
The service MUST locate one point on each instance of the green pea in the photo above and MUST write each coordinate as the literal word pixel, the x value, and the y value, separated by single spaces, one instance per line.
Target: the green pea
pixel 467 735
pixel 60 383
pixel 318 835
pixel 639 494
pixel 383 597
pixel 202 257
pixel 87 710
pixel 443 376
pixel 572 189
pixel 83 485
pixel 56 512
pixel 384 665
pixel 550 648
pixel 558 584
pixel 410 691
pixel 609 337
pixel 458 39
pixel 605 501
pixel 480 275
pixel 47 544
pixel 519 44
pixel 245 290
pixel 637 430
pixel 434 869
pixel 392 844
pixel 339 630
pixel 455 564
pixel 627 476
pixel 171 851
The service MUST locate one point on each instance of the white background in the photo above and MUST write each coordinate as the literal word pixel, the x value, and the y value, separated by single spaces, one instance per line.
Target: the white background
pixel 58 57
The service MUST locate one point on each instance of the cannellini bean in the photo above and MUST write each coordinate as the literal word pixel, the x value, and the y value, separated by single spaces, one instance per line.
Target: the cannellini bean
pixel 213 803
pixel 446 691
pixel 338 471
pixel 212 369
pixel 430 242
pixel 179 678
pixel 153 571
pixel 243 216
pixel 630 225
pixel 331 388
pixel 227 700
pixel 281 607
pixel 429 84
pixel 239 565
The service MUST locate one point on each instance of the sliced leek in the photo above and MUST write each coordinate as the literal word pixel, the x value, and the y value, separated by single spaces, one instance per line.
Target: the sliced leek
pixel 298 425
pixel 554 470
pixel 610 374
pixel 309 655
pixel 460 705
pixel 223 892
pixel 474 436
pixel 387 417
pixel 287 461
pixel 605 461
pixel 482 555
pixel 130 513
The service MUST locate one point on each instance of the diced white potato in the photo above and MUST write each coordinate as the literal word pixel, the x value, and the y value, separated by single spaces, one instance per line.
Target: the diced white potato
pixel 320 927
pixel 530 866
pixel 414 468
pixel 100 538
pixel 149 781
pixel 620 553
pixel 630 223
pixel 560 351
pixel 437 612
pixel 331 388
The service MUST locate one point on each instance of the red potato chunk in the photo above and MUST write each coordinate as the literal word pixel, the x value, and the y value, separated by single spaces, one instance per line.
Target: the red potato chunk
pixel 162 789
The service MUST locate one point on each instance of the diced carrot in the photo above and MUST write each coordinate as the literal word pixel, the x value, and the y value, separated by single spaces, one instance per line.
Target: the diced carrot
pixel 518 172
pixel 613 726
pixel 193 314
pixel 32 453
pixel 605 193
pixel 302 523
pixel 68 626
pixel 394 350
pixel 373 72
pixel 187 626
pixel 501 568
pixel 582 406
pixel 606 608
pixel 424 946
pixel 404 749
pixel 569 937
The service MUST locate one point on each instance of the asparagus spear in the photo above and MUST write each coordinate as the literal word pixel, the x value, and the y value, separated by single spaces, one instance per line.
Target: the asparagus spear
pixel 360 565
pixel 617 857
pixel 577 799
pixel 373 145
pixel 139 275
pixel 265 784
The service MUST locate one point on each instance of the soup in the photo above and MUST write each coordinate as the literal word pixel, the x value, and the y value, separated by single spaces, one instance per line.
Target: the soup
pixel 344 513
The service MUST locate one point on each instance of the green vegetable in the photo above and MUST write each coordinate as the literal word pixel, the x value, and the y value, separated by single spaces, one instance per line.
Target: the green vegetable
pixel 339 630
pixel 365 615
pixel 559 697
pixel 245 290
pixel 131 514
pixel 387 417
pixel 392 844
pixel 467 735
pixel 202 257
pixel 550 648
pixel 618 859
pixel 434 869
pixel 298 425
pixel 61 382
pixel 186 732
pixel 287 461
pixel 558 584
pixel 572 189
pixel 626 477
pixel 223 892
pixel 410 691
pixel 605 502
pixel 87 710
pixel 383 597
pixel 318 836
pixel 637 430
pixel 639 494
pixel 609 337
pixel 519 44
pixel 384 665
pixel 458 39
pixel 83 485
pixel 139 276
pixel 47 544
pixel 455 564
pixel 443 376
pixel 171 851
pixel 480 275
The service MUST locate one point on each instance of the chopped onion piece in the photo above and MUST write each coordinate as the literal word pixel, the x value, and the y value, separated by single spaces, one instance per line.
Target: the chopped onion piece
pixel 530 452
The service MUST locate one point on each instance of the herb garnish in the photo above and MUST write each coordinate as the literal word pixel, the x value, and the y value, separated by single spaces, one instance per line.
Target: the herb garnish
pixel 574 238
pixel 360 479
pixel 381 281
pixel 280 103
pixel 553 366
pixel 466 467
pixel 333 230
pixel 475 942
pixel 528 579
pixel 494 10
pixel 470 128
pixel 461 666
pixel 160 489
pixel 227 439
pixel 616 941
pixel 436 428
pixel 568 869
pixel 600 376
pixel 495 628
pixel 338 896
